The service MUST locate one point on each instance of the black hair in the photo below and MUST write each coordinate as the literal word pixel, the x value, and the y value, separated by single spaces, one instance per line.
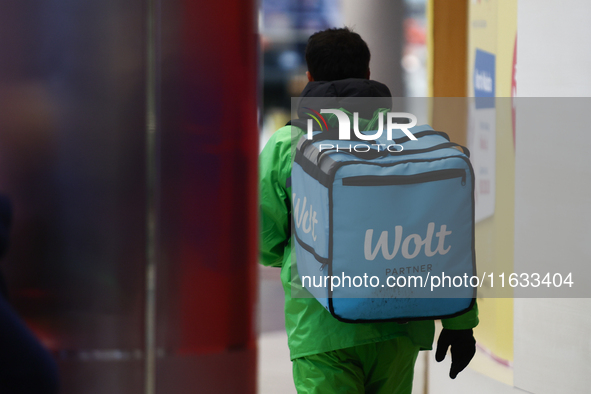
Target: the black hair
pixel 337 53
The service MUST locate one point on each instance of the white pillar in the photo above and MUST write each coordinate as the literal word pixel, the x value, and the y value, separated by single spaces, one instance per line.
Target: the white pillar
pixel 379 22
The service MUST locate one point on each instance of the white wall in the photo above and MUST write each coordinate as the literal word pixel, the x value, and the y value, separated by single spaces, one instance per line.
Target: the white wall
pixel 553 193
pixel 554 48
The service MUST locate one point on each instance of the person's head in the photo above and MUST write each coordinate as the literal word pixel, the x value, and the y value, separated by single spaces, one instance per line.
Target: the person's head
pixel 335 54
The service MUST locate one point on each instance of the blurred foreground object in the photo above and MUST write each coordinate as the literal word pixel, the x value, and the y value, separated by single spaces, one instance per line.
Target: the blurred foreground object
pixel 25 365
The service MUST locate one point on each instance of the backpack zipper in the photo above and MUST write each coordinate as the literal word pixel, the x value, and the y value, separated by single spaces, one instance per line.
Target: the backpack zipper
pixel 389 180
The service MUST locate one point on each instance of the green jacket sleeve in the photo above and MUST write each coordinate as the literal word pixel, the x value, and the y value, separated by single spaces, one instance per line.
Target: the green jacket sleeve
pixel 466 321
pixel 274 205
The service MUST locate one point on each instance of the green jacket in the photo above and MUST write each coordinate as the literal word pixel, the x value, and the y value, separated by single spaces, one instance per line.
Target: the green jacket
pixel 311 329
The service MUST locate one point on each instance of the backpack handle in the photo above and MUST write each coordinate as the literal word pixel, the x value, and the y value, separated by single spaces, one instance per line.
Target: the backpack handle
pixel 368 155
pixel 422 134
pixel 436 147
pixel 333 134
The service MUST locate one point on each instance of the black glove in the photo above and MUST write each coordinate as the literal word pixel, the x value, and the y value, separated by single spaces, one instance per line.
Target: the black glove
pixel 463 347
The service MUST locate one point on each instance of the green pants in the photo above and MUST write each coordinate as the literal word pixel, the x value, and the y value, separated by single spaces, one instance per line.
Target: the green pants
pixel 377 368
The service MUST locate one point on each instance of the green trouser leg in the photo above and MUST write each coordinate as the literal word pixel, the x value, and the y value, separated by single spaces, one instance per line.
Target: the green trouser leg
pixel 377 368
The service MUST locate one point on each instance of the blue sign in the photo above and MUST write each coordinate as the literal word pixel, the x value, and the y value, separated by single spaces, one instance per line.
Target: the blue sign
pixel 484 79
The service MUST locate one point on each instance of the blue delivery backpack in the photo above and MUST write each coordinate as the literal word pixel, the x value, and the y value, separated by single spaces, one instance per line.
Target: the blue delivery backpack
pixel 384 229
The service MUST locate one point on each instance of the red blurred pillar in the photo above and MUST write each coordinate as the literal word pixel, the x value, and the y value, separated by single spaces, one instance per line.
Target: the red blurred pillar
pixel 208 212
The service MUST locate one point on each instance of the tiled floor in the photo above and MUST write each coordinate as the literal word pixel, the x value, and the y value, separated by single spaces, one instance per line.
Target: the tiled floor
pixel 274 372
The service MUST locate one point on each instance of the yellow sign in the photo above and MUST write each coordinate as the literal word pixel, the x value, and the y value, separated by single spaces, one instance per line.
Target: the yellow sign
pixel 492 28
